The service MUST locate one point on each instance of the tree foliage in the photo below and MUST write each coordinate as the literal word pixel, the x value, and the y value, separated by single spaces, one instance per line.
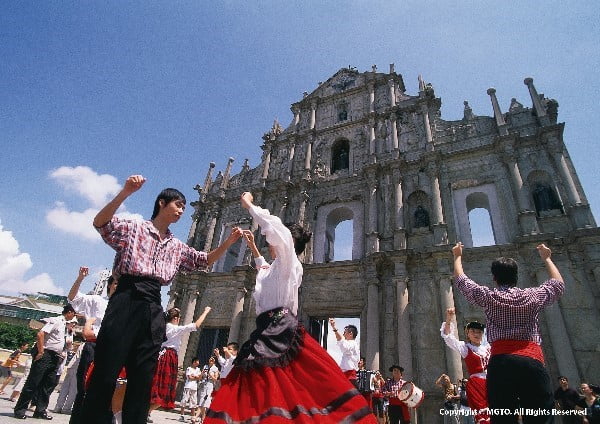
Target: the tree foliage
pixel 13 336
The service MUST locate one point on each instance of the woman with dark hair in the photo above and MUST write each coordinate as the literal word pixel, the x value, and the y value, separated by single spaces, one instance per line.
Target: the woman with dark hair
pixel 281 373
pixel 165 377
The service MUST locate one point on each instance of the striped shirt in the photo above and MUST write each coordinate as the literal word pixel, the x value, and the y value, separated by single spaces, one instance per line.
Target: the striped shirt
pixel 511 312
pixel 141 252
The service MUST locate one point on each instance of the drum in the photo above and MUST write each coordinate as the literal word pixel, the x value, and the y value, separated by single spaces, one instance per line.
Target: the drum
pixel 411 395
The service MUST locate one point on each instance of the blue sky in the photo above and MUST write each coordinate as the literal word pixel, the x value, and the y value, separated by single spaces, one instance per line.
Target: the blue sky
pixel 91 92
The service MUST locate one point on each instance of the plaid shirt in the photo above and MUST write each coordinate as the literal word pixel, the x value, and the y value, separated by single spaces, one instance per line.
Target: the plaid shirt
pixel 511 312
pixel 141 252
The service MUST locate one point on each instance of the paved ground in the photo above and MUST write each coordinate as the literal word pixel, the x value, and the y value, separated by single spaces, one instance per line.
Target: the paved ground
pixel 6 414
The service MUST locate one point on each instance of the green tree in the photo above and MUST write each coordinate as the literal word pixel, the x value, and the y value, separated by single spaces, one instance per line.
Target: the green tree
pixel 13 336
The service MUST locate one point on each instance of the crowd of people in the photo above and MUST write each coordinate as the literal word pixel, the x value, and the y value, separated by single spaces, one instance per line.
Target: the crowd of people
pixel 128 365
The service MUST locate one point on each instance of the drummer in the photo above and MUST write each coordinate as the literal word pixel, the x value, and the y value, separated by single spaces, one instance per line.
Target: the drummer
pixel 397 410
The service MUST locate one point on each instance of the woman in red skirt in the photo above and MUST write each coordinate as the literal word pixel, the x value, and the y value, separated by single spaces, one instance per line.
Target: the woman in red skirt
pixel 281 374
pixel 165 377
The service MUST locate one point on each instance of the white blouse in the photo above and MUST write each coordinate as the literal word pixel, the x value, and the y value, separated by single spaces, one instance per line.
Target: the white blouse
pixel 463 347
pixel 175 333
pixel 276 284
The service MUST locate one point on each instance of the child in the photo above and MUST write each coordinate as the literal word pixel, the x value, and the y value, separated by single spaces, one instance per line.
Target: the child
pixel 476 353
pixel 190 389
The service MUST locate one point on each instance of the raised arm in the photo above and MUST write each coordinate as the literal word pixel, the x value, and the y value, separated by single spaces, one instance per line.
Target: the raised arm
pixel 338 336
pixel 132 184
pixel 450 315
pixel 202 317
pixel 545 254
pixel 83 272
pixel 249 237
pixel 457 252
pixel 214 255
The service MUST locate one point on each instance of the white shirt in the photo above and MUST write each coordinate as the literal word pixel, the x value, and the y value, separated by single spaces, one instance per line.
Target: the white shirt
pixel 461 347
pixel 92 306
pixel 192 372
pixel 175 334
pixel 276 284
pixel 226 365
pixel 350 354
pixel 55 334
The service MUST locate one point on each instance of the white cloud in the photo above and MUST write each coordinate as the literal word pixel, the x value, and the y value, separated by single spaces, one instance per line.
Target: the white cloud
pixel 97 189
pixel 15 264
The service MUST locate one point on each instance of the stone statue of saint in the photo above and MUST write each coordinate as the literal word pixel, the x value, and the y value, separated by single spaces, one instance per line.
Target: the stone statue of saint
pixel 421 217
pixel 545 199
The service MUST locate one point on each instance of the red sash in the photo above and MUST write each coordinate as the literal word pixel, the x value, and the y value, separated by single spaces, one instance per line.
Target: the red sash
pixel 518 347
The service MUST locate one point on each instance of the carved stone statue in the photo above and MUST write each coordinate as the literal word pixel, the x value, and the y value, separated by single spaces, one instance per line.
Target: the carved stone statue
pixel 421 217
pixel 545 199
pixel 340 159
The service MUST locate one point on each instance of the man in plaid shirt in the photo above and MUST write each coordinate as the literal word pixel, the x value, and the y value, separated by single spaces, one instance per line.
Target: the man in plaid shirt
pixel 516 375
pixel 147 257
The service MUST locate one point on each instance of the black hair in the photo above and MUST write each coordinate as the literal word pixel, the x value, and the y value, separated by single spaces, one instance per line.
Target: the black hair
pixel 300 236
pixel 362 358
pixel 561 377
pixel 168 195
pixel 195 358
pixel 171 314
pixel 505 271
pixel 397 367
pixel 68 308
pixel 352 329
pixel 233 345
pixel 108 283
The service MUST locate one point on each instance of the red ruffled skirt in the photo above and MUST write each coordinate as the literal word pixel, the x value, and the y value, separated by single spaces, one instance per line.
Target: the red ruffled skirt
pixel 165 379
pixel 283 375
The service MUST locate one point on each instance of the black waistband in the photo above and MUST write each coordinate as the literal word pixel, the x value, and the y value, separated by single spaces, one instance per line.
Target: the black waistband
pixel 144 288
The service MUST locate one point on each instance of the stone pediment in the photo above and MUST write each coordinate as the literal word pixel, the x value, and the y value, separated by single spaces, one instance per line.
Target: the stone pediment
pixel 343 80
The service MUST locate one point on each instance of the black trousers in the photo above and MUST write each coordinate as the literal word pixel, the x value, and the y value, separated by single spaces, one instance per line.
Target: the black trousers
pixel 514 382
pixel 131 333
pixel 395 414
pixel 86 358
pixel 40 383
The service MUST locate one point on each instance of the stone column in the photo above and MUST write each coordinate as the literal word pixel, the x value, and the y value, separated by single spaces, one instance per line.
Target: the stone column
pixel 566 176
pixel 267 163
pixel 189 299
pixel 371 98
pixel 225 180
pixel 527 217
pixel 210 231
pixel 208 179
pixel 372 235
pixel 302 209
pixel 497 112
pixel 453 359
pixel 559 337
pixel 399 230
pixel 236 319
pixel 540 110
pixel 372 356
pixel 372 136
pixel 438 216
pixel 313 115
pixel 394 132
pixel 404 336
pixel 308 156
pixel 290 166
pixel 425 113
pixel 392 87
pixel 296 112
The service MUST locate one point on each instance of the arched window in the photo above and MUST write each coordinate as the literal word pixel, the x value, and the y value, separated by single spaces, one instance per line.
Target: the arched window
pixel 480 222
pixel 339 235
pixel 340 156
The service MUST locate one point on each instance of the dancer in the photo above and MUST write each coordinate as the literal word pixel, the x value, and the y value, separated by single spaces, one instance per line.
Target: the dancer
pixel 476 353
pixel 165 377
pixel 11 362
pixel 133 329
pixel 349 348
pixel 190 390
pixel 516 375
pixel 282 373
pixel 208 380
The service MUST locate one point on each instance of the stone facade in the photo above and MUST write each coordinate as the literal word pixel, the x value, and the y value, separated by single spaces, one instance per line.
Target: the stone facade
pixel 359 147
